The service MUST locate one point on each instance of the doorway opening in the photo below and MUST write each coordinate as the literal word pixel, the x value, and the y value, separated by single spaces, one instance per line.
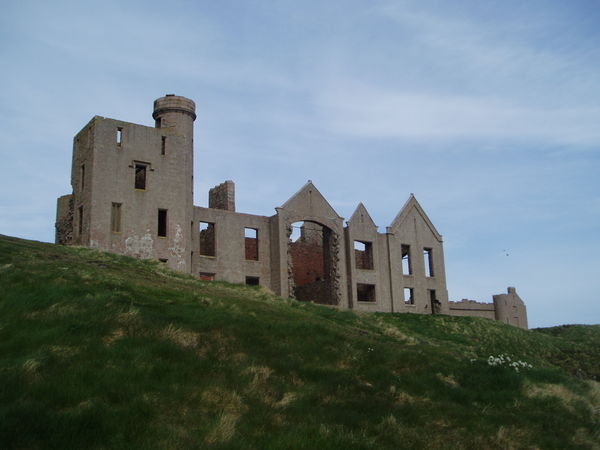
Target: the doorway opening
pixel 312 256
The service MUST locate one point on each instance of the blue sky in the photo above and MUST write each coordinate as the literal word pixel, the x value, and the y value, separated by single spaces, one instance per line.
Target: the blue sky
pixel 489 112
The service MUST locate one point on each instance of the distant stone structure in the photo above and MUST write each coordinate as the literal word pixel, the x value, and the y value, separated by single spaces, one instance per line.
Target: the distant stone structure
pixel 133 194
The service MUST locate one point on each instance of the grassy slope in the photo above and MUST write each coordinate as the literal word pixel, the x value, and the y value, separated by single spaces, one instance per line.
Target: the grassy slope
pixel 104 351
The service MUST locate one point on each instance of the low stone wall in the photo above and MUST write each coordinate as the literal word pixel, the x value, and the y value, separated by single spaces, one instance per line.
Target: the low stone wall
pixel 472 308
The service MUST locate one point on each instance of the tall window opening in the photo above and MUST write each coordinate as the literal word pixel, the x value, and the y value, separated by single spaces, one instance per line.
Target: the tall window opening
pixel 163 145
pixel 162 222
pixel 365 292
pixel 140 176
pixel 119 135
pixel 363 255
pixel 428 256
pixel 251 243
pixel 115 218
pixel 436 305
pixel 82 177
pixel 207 239
pixel 406 262
pixel 409 296
pixel 80 220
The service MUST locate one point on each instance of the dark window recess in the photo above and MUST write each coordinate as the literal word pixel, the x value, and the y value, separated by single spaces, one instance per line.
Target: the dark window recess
pixel 82 176
pixel 162 222
pixel 436 305
pixel 206 276
pixel 409 296
pixel 252 281
pixel 207 239
pixel 163 145
pixel 365 292
pixel 80 220
pixel 163 260
pixel 119 136
pixel 115 218
pixel 251 243
pixel 363 255
pixel 428 256
pixel 406 261
pixel 140 176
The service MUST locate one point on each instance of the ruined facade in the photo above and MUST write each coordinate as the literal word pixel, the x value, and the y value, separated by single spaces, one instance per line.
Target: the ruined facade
pixel 133 194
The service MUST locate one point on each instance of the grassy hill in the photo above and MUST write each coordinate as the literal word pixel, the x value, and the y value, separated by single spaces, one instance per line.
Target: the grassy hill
pixel 105 351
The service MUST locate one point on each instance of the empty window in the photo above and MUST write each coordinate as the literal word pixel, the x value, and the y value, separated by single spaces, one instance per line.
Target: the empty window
pixel 82 176
pixel 365 292
pixel 163 260
pixel 251 243
pixel 207 276
pixel 119 136
pixel 115 218
pixel 409 296
pixel 162 222
pixel 436 305
pixel 80 220
pixel 428 256
pixel 163 145
pixel 140 176
pixel 252 281
pixel 406 262
pixel 207 239
pixel 363 255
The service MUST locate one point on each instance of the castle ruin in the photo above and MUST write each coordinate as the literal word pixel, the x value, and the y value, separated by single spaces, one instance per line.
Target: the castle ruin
pixel 133 195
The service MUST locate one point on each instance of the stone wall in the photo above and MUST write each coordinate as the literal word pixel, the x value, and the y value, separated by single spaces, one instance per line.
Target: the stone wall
pixel 222 196
pixel 472 308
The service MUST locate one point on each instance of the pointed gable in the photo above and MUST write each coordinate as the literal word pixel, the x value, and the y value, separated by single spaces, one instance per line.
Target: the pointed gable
pixel 308 201
pixel 361 218
pixel 410 208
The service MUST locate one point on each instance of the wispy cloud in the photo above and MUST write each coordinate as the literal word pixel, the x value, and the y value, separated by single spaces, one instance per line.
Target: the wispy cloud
pixel 387 113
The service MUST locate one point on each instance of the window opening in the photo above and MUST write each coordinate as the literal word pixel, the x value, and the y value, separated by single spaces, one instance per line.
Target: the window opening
pixel 115 218
pixel 163 145
pixel 252 281
pixel 140 176
pixel 365 292
pixel 406 261
pixel 409 296
pixel 162 222
pixel 80 224
pixel 207 276
pixel 119 135
pixel 436 305
pixel 363 255
pixel 427 254
pixel 82 176
pixel 251 243
pixel 163 260
pixel 207 239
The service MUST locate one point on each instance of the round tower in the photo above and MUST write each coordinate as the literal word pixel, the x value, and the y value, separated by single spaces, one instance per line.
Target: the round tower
pixel 175 111
pixel 173 172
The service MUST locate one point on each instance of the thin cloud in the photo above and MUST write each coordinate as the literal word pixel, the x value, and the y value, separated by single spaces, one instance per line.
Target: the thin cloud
pixel 388 113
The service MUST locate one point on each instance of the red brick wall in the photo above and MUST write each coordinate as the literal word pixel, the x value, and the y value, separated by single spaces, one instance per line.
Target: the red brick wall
pixel 308 263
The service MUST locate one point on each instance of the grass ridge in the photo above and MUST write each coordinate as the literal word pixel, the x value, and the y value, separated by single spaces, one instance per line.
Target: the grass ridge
pixel 104 351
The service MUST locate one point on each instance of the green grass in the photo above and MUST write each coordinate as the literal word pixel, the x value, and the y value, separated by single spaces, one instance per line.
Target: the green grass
pixel 105 351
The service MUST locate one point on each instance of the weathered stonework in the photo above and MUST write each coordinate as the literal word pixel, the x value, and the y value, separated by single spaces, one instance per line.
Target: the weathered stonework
pixel 132 194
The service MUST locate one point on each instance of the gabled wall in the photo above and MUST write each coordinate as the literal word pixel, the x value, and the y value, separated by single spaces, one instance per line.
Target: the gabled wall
pixel 413 228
